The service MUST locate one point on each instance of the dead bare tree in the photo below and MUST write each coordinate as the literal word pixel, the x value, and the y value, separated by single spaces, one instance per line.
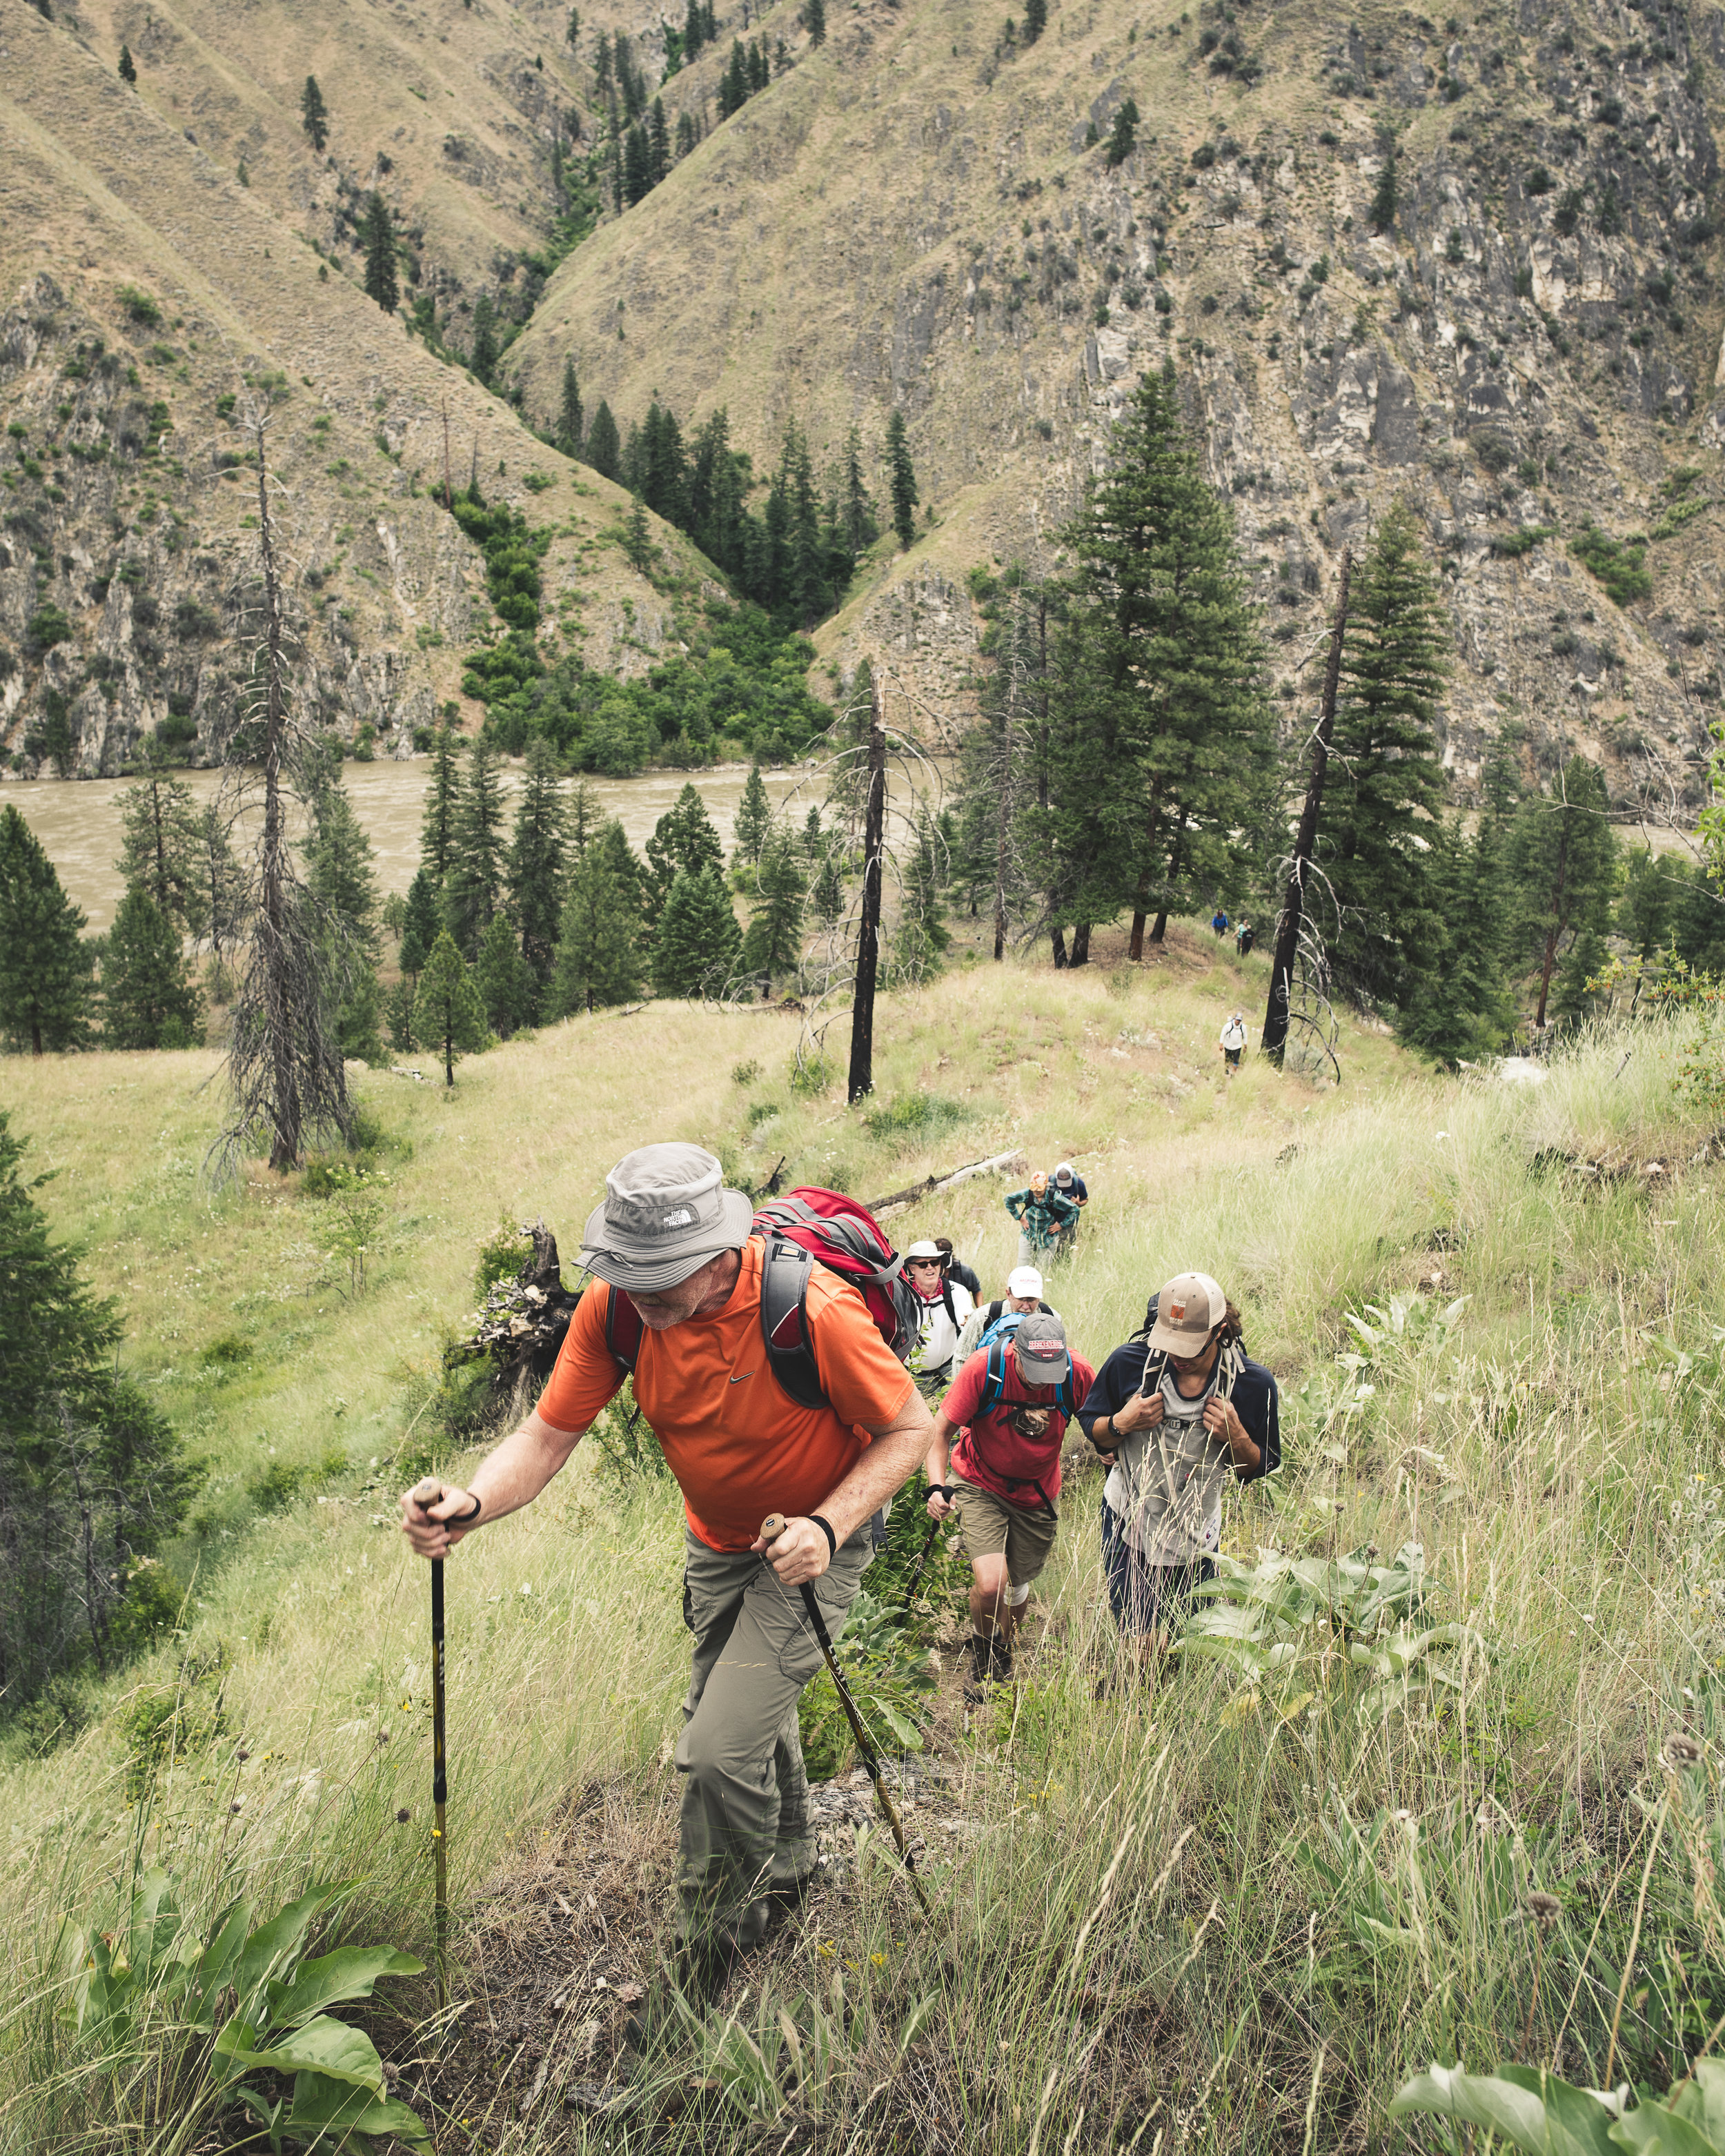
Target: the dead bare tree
pixel 284 1072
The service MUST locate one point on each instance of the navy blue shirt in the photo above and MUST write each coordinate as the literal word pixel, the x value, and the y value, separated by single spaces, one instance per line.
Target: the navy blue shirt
pixel 1076 1189
pixel 1254 1399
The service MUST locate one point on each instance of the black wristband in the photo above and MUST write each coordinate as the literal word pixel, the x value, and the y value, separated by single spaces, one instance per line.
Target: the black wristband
pixel 467 1519
pixel 825 1527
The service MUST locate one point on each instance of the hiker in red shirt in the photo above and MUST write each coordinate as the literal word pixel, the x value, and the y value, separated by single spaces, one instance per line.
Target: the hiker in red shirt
pixel 1010 1409
pixel 677 1252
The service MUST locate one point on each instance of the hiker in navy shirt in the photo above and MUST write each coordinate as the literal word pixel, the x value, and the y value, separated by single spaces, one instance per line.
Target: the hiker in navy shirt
pixel 1174 1411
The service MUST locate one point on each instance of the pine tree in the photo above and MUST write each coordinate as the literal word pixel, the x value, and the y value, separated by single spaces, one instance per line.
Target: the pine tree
pixel 814 20
pixel 147 999
pixel 1461 1009
pixel 45 966
pixel 478 852
pixel 128 66
pixel 687 135
pixel 442 810
pixel 423 926
pixel 828 896
pixel 901 480
pixel 538 857
pixel 448 1014
pixel 813 840
pixel 95 1478
pixel 314 114
pixel 377 233
pixel 694 29
pixel 568 431
pixel 1124 138
pixel 599 959
pixel 1381 216
pixel 774 941
pixel 922 937
pixel 1159 756
pixel 856 515
pixel 504 980
pixel 659 155
pixel 637 165
pixel 760 70
pixel 1035 20
pixel 637 541
pixel 482 359
pixel 1563 868
pixel 754 817
pixel 162 849
pixel 1374 844
pixel 683 839
pixel 734 84
pixel 341 877
pixel 697 947
pixel 604 449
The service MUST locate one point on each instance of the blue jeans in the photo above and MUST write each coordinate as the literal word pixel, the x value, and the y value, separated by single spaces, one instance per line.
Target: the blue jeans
pixel 1146 1597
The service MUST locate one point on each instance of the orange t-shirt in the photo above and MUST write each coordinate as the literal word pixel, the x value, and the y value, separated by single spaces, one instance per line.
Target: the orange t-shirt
pixel 738 1445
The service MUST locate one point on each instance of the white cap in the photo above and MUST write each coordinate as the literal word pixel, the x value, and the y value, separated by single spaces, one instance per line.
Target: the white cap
pixel 1063 1173
pixel 924 1250
pixel 1024 1279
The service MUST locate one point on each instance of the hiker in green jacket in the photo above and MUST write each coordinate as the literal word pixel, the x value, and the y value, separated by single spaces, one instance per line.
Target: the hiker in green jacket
pixel 1042 1213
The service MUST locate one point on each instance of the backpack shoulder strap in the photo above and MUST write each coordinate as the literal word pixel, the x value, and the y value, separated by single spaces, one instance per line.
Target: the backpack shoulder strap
pixel 623 1331
pixel 994 1379
pixel 785 1271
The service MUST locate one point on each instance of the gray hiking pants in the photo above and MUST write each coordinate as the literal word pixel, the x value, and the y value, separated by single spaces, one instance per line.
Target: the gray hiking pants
pixel 744 1828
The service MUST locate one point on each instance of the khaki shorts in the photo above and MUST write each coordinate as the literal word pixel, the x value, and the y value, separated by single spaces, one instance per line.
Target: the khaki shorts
pixel 991 1527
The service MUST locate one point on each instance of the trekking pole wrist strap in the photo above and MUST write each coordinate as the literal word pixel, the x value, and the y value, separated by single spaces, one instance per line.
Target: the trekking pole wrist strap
pixel 467 1519
pixel 826 1528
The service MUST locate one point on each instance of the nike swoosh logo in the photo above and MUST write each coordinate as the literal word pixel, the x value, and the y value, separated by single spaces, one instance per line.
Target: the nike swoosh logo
pixel 746 1374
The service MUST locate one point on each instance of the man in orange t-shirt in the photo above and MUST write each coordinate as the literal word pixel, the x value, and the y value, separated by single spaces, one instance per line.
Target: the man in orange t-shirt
pixel 678 1244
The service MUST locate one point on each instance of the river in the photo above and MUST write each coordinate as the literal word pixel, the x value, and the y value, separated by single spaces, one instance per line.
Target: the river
pixel 77 820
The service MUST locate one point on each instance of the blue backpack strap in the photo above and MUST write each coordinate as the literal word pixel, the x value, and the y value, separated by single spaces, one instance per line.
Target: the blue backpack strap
pixel 786 1268
pixel 994 1379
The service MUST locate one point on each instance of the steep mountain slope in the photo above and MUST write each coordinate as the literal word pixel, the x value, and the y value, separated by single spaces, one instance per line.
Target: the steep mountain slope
pixel 153 302
pixel 911 219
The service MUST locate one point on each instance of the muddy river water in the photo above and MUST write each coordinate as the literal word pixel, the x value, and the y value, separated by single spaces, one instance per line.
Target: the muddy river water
pixel 77 820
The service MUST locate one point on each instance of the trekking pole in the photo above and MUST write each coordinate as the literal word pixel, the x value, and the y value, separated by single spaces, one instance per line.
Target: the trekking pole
pixel 424 1494
pixel 771 1527
pixel 935 1526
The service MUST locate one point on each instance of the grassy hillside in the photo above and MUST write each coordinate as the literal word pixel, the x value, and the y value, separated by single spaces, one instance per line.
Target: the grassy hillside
pixel 1234 1910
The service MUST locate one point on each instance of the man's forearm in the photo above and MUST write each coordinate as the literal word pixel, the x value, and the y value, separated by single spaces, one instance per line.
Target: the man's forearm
pixel 887 1466
pixel 939 1459
pixel 515 1473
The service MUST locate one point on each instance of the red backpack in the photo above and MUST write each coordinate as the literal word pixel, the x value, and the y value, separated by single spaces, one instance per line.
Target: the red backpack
pixel 801 1228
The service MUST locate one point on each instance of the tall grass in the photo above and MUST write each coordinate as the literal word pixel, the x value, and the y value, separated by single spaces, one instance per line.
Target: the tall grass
pixel 1213 1915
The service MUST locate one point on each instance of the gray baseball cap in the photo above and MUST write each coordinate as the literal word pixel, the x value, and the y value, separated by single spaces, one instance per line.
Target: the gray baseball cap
pixel 1040 1346
pixel 666 1212
pixel 1187 1310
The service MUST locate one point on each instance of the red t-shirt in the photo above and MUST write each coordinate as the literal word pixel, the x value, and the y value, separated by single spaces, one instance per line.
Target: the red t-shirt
pixel 739 1446
pixel 990 1452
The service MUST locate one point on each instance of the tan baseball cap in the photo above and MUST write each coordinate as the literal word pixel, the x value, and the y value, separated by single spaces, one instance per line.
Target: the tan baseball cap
pixel 1040 1345
pixel 1187 1310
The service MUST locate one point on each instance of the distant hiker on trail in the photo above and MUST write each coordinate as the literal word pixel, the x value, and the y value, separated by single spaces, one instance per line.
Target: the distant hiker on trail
pixel 1175 1411
pixel 1219 924
pixel 1010 1411
pixel 1243 938
pixel 944 1306
pixel 672 1245
pixel 991 1321
pixel 1069 1183
pixel 960 1274
pixel 1041 1213
pixel 1231 1039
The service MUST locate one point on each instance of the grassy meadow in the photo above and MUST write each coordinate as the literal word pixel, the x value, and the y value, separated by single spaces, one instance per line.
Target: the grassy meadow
pixel 1231 1912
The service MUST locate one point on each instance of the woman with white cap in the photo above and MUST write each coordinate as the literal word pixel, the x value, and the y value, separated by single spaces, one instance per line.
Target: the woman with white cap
pixel 944 1306
pixel 1174 1412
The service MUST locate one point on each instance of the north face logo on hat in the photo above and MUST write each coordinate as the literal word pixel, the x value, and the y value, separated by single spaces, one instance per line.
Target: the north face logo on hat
pixel 684 1219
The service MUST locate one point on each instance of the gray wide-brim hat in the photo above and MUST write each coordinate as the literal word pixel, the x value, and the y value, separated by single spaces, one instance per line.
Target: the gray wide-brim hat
pixel 666 1214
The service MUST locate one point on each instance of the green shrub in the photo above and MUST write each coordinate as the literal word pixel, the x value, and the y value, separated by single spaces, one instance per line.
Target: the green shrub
pixel 1619 564
pixel 140 307
pixel 912 1117
pixel 812 1076
pixel 167 1721
pixel 502 1256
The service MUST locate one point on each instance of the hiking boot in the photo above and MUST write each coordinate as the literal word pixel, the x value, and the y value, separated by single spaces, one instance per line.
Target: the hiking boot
pixel 1000 1660
pixel 695 1976
pixel 976 1683
pixel 786 1897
